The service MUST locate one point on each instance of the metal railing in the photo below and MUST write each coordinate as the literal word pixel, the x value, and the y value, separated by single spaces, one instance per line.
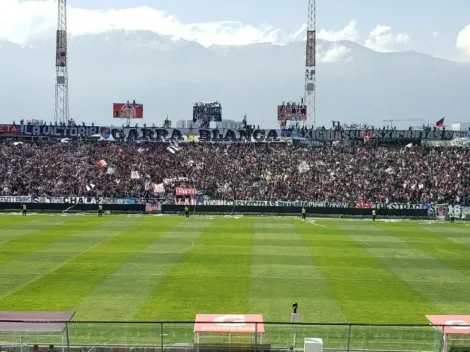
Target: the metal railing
pixel 163 336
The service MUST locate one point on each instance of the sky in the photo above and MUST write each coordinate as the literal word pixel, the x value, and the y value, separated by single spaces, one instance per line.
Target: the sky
pixel 438 28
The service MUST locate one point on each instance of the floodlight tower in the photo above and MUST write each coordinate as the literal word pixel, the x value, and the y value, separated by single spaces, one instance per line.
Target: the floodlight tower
pixel 62 79
pixel 310 63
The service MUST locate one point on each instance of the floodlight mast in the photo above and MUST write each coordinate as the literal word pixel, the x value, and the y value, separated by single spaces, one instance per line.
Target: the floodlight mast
pixel 62 80
pixel 310 64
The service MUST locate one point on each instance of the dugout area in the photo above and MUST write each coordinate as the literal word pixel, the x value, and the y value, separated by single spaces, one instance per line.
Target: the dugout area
pixel 21 330
pixel 454 331
pixel 229 328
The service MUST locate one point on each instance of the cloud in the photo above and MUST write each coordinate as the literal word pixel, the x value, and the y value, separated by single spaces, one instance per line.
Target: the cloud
pixel 463 41
pixel 21 21
pixel 25 20
pixel 349 32
pixel 435 34
pixel 382 39
pixel 332 53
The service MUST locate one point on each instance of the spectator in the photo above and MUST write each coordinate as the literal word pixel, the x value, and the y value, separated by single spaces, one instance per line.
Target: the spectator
pixel 378 174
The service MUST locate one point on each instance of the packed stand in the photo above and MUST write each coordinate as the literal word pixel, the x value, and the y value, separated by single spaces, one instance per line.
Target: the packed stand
pixel 242 171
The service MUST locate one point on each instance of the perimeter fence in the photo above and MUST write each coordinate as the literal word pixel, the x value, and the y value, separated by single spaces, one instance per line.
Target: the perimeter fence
pixel 83 336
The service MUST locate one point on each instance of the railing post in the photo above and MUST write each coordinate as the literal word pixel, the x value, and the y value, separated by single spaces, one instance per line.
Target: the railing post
pixel 349 338
pixel 161 336
pixel 256 337
pixel 67 335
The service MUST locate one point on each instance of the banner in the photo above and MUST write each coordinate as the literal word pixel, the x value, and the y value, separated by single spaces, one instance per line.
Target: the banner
pixel 181 191
pixel 15 199
pixel 10 129
pixel 229 135
pixel 59 131
pixel 153 208
pixel 343 135
pixel 278 203
pixel 69 200
pixel 168 181
pixel 189 135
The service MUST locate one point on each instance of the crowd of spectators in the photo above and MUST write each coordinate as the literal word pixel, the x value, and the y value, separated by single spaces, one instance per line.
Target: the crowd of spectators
pixel 385 174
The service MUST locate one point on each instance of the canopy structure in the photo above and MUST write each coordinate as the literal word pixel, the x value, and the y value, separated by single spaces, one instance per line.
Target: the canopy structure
pixel 28 327
pixel 452 327
pixel 218 325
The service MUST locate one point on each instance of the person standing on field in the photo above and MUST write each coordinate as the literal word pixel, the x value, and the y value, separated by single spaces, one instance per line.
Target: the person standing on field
pixel 303 213
pixel 100 210
pixel 186 212
pixel 24 209
pixel 374 213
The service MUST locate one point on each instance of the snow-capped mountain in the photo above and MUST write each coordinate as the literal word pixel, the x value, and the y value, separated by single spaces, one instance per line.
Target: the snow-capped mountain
pixel 169 74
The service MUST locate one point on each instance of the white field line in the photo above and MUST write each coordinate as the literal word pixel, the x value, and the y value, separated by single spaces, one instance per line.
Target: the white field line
pixel 57 267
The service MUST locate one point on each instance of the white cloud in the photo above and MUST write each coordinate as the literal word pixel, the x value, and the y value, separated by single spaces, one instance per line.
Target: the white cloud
pixel 349 32
pixel 435 34
pixel 332 53
pixel 463 41
pixel 382 39
pixel 21 21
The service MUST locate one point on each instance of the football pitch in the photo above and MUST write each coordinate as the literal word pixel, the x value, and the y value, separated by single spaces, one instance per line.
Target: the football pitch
pixel 167 268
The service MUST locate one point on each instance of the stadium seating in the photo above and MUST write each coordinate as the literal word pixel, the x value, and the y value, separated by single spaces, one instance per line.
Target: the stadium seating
pixel 244 171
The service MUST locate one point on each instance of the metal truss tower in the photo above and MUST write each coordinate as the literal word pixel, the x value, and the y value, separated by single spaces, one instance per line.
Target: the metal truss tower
pixel 62 79
pixel 310 63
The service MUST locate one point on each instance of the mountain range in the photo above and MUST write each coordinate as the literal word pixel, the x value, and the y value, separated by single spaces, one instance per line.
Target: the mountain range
pixel 168 75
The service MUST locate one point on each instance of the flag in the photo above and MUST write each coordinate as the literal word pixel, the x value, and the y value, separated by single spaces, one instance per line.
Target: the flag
pixel 303 167
pixel 440 123
pixel 135 175
pixel 64 140
pixel 90 187
pixel 101 163
pixel 410 145
pixel 171 150
pixel 158 188
pixel 191 136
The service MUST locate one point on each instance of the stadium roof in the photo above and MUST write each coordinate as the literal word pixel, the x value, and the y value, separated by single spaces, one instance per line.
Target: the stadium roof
pixel 42 322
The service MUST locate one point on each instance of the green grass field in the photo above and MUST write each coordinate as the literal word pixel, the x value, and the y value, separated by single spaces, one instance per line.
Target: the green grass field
pixel 149 268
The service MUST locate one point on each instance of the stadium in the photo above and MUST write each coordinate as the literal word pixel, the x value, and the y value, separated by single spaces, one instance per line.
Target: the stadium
pixel 209 238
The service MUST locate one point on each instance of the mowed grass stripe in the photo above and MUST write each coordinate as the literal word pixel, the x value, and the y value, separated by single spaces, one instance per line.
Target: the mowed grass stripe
pixel 48 250
pixel 28 235
pixel 211 277
pixel 284 272
pixel 59 274
pixel 458 235
pixel 444 298
pixel 122 294
pixel 366 289
pixel 442 274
